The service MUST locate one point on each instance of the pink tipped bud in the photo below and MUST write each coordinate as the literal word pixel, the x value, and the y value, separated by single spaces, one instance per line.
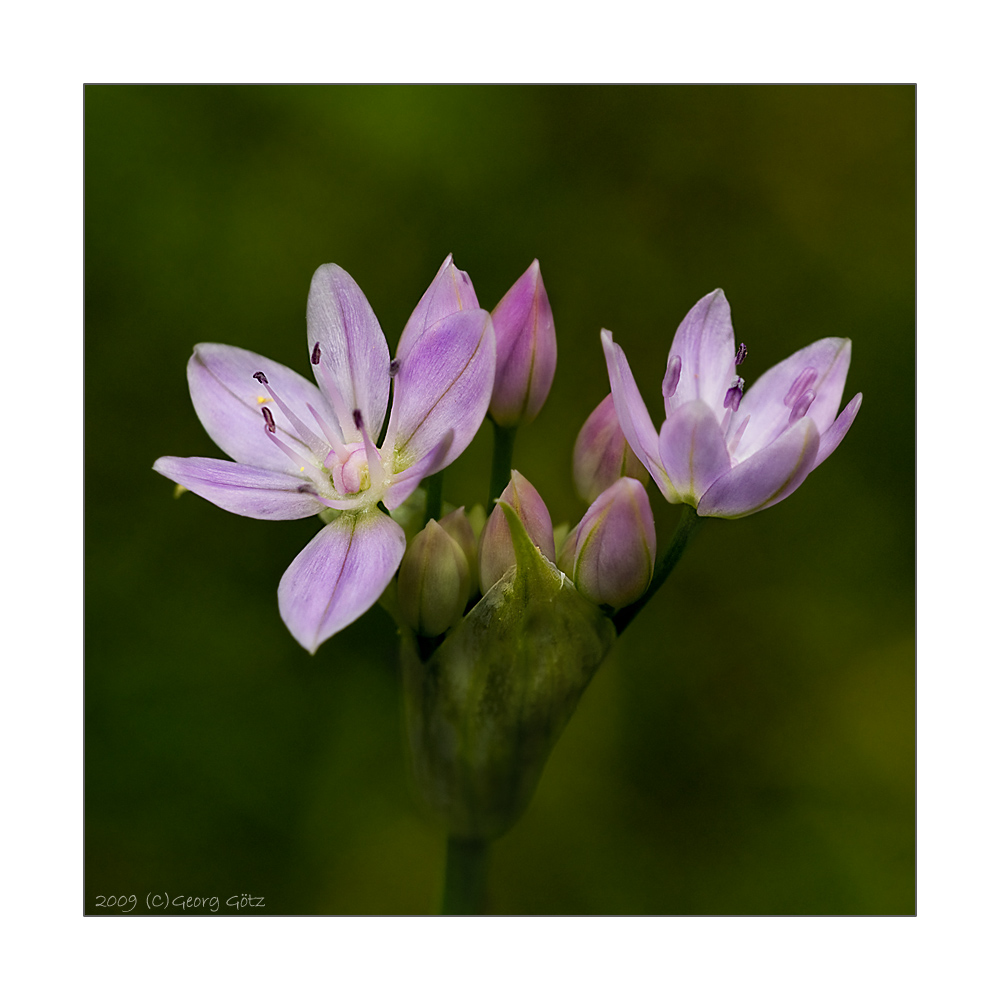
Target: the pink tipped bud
pixel 601 454
pixel 526 350
pixel 496 550
pixel 616 546
pixel 433 581
pixel 459 527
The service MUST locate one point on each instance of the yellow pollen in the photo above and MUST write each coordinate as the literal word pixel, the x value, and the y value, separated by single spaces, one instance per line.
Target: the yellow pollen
pixel 302 468
pixel 264 399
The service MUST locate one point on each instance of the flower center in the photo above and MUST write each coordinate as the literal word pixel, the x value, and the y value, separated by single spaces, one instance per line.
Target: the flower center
pixel 349 472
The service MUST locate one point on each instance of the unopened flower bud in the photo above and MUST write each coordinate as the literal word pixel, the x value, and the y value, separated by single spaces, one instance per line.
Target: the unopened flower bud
pixel 526 350
pixel 566 554
pixel 433 581
pixel 616 546
pixel 460 528
pixel 601 454
pixel 496 550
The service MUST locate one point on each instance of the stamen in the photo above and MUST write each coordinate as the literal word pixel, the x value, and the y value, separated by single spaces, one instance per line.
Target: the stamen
pixel 672 376
pixel 734 441
pixel 394 367
pixel 734 394
pixel 741 354
pixel 316 354
pixel 268 419
pixel 309 438
pixel 371 452
pixel 328 386
pixel 803 383
pixel 801 406
pixel 335 438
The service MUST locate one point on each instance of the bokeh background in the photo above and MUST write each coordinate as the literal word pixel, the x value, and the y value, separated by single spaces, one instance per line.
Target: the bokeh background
pixel 748 747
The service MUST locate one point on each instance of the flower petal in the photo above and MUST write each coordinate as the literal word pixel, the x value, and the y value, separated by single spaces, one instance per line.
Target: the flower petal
pixel 449 292
pixel 353 351
pixel 339 575
pixel 243 489
pixel 693 450
pixel 409 479
pixel 764 402
pixel 829 441
pixel 766 477
pixel 633 417
pixel 228 401
pixel 443 385
pixel 704 342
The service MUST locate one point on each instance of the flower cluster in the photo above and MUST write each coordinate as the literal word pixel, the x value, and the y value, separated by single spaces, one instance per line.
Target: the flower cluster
pixel 301 448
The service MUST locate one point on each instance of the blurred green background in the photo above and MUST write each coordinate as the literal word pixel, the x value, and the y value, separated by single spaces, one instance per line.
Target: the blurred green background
pixel 748 747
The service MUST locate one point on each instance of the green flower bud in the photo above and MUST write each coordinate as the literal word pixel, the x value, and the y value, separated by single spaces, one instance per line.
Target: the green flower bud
pixel 433 581
pixel 460 528
pixel 484 711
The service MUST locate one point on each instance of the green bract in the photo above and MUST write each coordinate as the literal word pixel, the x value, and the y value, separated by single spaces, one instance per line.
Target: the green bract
pixel 485 709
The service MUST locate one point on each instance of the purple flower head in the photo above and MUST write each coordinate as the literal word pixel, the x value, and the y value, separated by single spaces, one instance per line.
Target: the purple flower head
pixel 725 452
pixel 302 450
pixel 526 350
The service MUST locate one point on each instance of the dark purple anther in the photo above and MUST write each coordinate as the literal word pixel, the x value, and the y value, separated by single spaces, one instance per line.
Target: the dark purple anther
pixel 734 394
pixel 358 422
pixel 741 354
pixel 394 367
pixel 803 383
pixel 672 377
pixel 260 377
pixel 268 419
pixel 316 354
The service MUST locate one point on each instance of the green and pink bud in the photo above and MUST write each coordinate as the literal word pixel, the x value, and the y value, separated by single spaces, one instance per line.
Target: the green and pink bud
pixel 433 581
pixel 614 546
pixel 496 550
pixel 601 455
pixel 526 351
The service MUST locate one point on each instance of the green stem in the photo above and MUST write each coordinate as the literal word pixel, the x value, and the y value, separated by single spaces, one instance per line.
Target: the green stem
pixel 685 531
pixel 435 491
pixel 465 877
pixel 503 460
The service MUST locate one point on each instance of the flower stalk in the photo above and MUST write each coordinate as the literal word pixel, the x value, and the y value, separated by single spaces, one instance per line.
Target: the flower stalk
pixel 465 870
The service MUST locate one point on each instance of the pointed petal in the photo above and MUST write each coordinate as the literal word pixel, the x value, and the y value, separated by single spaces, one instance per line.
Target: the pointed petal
pixel 633 417
pixel 409 479
pixel 449 292
pixel 829 441
pixel 764 402
pixel 766 477
pixel 443 385
pixel 704 342
pixel 242 489
pixel 693 450
pixel 339 575
pixel 353 350
pixel 228 402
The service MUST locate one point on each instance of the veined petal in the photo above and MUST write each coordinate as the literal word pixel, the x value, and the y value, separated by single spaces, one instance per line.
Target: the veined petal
pixel 704 342
pixel 633 417
pixel 353 350
pixel 409 479
pixel 242 489
pixel 764 402
pixel 449 292
pixel 443 385
pixel 693 450
pixel 339 575
pixel 228 401
pixel 766 477
pixel 829 441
